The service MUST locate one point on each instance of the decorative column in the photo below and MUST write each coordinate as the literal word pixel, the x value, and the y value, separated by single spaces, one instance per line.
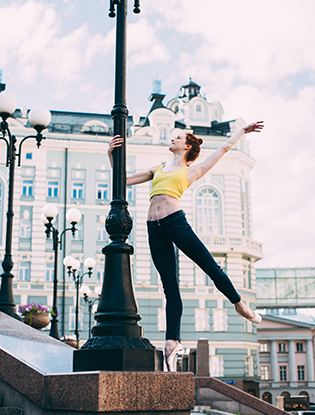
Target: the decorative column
pixel 310 362
pixel 274 364
pixel 292 365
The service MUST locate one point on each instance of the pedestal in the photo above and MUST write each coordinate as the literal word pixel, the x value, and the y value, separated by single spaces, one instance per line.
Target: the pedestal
pixel 118 359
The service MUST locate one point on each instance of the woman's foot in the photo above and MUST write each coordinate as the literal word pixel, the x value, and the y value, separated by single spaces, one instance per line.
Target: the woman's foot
pixel 172 347
pixel 247 312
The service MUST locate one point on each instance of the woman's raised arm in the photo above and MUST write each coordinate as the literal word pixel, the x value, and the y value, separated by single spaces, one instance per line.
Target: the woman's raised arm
pixel 136 178
pixel 195 172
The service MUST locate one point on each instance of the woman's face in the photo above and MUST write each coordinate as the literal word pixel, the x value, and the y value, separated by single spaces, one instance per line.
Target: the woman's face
pixel 179 143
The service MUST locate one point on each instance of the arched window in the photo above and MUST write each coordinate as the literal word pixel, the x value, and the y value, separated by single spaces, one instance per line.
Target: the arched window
pixel 285 394
pixel 208 212
pixel 198 108
pixel 267 397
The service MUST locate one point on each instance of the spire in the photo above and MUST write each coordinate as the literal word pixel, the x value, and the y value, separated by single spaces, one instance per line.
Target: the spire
pixel 156 95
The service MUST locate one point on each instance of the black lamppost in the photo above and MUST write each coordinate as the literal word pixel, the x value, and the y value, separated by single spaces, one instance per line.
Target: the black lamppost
pixel 117 341
pixel 50 211
pixel 85 290
pixel 73 265
pixel 39 117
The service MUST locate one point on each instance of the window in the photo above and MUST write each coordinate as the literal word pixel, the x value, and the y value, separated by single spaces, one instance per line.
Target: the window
pixel 208 212
pixel 50 272
pixel 244 215
pixel 283 373
pixel 28 187
pixel 249 366
pixel 219 320
pixel 216 365
pixel 163 134
pixel 264 372
pixel 101 232
pixel 299 347
pixel 29 156
pixel 77 190
pixel 198 108
pixel 72 318
pixel 102 191
pixel 24 271
pixel 201 277
pixel 161 319
pixel 201 319
pixel 53 188
pixel 264 347
pixel 130 193
pixel 301 373
pixel 99 272
pixel 78 235
pixel 281 347
pixel 25 228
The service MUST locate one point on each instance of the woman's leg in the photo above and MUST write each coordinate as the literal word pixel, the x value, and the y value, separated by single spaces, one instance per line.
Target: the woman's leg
pixel 163 256
pixel 189 243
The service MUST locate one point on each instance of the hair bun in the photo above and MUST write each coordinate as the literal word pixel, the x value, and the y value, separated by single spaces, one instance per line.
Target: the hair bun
pixel 200 141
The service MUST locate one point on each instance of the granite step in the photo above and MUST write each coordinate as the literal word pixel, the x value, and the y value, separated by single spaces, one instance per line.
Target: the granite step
pixel 11 411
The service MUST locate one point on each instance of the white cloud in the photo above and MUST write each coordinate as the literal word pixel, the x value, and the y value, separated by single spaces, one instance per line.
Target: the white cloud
pixel 144 46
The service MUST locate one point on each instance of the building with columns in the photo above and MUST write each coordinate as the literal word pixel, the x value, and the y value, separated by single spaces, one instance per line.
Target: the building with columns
pixel 71 169
pixel 286 356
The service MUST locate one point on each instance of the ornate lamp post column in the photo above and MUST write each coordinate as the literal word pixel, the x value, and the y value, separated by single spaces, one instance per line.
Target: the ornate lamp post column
pixel 49 214
pixel 117 341
pixel 73 265
pixel 85 290
pixel 39 117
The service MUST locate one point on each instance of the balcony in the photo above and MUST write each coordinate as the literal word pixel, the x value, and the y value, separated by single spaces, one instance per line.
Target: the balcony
pixel 239 244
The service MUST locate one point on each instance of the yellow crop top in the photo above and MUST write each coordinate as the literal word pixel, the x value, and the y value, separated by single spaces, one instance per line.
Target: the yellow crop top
pixel 171 183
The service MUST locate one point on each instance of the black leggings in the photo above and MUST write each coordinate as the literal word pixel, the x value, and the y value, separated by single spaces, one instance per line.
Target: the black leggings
pixel 175 229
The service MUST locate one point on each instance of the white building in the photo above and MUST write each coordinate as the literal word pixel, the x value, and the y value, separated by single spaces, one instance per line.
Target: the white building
pixel 71 169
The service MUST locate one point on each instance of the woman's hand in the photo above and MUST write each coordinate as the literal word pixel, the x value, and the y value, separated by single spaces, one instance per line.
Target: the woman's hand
pixel 254 126
pixel 115 142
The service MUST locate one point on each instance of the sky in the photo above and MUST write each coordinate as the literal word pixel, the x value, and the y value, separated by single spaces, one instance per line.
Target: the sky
pixel 256 57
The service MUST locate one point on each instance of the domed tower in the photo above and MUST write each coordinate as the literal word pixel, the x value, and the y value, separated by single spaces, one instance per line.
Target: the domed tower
pixel 190 90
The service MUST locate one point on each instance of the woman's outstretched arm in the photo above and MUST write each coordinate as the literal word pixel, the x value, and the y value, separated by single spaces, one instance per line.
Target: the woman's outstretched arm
pixel 137 178
pixel 195 172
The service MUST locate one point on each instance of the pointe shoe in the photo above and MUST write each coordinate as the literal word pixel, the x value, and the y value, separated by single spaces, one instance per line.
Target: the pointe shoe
pixel 256 319
pixel 171 360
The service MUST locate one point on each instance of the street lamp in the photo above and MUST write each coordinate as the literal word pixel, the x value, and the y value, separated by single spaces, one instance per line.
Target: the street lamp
pixel 117 341
pixel 39 117
pixel 85 290
pixel 50 211
pixel 73 265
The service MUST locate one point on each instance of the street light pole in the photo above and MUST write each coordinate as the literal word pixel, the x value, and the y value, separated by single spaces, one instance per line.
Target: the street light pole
pixel 85 290
pixel 117 341
pixel 73 265
pixel 39 117
pixel 50 212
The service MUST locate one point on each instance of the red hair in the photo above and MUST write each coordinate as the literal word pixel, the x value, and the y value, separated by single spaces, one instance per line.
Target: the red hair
pixel 195 144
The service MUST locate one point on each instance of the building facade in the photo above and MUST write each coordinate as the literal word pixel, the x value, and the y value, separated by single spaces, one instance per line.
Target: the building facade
pixel 71 169
pixel 286 357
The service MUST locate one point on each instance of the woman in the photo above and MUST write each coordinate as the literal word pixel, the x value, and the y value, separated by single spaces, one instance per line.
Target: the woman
pixel 167 225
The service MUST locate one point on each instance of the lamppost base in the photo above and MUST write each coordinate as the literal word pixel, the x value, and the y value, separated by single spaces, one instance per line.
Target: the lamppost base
pixel 118 360
pixel 118 353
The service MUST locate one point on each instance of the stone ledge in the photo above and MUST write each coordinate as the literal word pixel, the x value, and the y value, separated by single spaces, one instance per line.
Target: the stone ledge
pixel 120 391
pixel 238 395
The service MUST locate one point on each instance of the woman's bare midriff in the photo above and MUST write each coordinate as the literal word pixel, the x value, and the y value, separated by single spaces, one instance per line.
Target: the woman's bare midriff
pixel 162 206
